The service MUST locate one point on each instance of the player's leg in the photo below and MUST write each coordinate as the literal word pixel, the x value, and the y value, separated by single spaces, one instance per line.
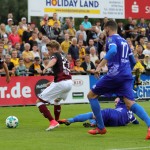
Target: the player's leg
pixel 93 122
pixel 48 95
pixel 57 109
pixel 81 117
pixel 63 90
pixel 43 109
pixel 47 114
pixel 140 112
pixel 78 118
pixel 127 92
pixel 95 106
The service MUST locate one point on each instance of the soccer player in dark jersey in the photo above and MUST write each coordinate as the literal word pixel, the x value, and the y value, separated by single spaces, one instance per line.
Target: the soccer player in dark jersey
pixel 118 80
pixel 58 89
pixel 3 64
pixel 120 116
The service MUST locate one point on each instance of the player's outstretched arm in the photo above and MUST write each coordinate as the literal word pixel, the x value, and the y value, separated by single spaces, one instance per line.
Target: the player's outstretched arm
pixel 112 52
pixel 98 69
pixel 7 72
pixel 50 64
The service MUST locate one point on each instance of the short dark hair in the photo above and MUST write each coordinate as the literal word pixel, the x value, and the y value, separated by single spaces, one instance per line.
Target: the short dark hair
pixel 35 43
pixel 85 17
pixel 112 25
pixel 20 58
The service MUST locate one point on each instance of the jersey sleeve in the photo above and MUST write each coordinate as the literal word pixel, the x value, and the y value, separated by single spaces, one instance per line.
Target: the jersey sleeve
pixel 111 41
pixel 111 48
pixel 54 56
pixel 112 52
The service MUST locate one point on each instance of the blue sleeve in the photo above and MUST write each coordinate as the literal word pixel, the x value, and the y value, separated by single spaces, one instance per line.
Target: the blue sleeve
pixel 112 52
pixel 132 61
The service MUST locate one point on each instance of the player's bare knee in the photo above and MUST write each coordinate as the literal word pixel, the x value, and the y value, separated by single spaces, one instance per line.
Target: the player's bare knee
pixel 128 103
pixel 91 95
pixel 37 101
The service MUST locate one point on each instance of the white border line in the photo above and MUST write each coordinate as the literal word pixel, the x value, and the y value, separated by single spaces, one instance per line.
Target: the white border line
pixel 135 148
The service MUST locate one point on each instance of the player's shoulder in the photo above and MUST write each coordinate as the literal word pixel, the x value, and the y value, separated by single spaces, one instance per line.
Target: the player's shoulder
pixel 55 55
pixel 117 37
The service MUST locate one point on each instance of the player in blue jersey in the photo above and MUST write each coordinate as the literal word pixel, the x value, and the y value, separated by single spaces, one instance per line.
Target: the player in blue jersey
pixel 118 80
pixel 120 116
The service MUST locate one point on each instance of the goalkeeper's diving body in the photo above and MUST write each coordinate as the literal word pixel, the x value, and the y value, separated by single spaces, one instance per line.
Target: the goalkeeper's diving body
pixel 119 116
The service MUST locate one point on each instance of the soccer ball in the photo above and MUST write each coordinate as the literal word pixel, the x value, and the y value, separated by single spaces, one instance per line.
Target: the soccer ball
pixel 12 122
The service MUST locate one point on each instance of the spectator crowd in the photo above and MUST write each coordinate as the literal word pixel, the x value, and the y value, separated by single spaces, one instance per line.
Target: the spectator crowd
pixel 23 45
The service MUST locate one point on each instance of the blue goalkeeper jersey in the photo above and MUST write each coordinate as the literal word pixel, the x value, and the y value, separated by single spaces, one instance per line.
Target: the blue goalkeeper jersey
pixel 119 64
pixel 120 116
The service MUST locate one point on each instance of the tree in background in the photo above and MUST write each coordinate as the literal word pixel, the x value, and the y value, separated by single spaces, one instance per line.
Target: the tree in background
pixel 17 7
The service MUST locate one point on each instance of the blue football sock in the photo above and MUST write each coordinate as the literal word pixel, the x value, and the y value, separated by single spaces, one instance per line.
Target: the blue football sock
pixel 71 120
pixel 81 117
pixel 97 112
pixel 92 121
pixel 140 112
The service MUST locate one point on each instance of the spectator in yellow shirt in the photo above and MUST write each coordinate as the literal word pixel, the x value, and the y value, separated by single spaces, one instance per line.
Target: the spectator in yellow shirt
pixel 36 69
pixel 52 21
pixel 77 68
pixel 14 58
pixel 71 31
pixel 81 50
pixel 43 19
pixel 66 44
pixel 20 29
pixel 137 70
pixel 27 56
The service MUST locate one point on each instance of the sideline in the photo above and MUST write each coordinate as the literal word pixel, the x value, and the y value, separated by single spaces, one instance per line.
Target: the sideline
pixel 134 148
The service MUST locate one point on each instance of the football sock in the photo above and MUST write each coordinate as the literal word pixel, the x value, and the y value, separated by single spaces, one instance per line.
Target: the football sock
pixel 140 112
pixel 57 111
pixel 81 117
pixel 97 112
pixel 92 121
pixel 43 109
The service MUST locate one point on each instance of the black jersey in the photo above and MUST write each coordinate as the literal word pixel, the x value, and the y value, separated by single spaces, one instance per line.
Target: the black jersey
pixel 61 68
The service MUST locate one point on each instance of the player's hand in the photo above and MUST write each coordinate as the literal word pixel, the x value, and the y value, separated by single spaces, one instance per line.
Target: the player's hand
pixel 97 74
pixel 39 71
pixel 48 84
pixel 44 71
pixel 7 79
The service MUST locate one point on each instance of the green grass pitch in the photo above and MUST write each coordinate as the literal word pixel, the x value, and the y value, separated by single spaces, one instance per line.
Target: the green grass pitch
pixel 31 134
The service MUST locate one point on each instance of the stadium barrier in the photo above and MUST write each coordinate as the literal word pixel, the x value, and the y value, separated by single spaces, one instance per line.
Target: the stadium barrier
pixel 141 92
pixel 24 90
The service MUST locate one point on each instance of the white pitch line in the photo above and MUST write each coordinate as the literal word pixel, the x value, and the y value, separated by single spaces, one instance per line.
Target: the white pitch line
pixel 135 148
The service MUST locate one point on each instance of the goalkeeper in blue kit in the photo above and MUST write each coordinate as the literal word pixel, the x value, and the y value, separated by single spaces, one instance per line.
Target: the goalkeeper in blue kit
pixel 119 116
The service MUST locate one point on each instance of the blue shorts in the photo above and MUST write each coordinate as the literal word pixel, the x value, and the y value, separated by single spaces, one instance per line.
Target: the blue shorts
pixel 120 86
